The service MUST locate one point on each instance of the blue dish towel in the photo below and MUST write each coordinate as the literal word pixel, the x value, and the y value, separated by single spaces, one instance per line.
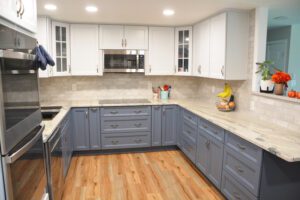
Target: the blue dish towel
pixel 42 58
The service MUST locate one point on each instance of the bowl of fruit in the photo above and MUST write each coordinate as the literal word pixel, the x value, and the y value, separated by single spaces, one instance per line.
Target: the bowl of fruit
pixel 226 102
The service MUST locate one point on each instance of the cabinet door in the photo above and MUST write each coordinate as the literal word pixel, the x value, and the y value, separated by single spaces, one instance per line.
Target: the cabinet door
pixel 111 37
pixel 29 18
pixel 156 125
pixel 44 38
pixel 202 155
pixel 84 43
pixel 215 161
pixel 61 48
pixel 217 46
pixel 136 37
pixel 183 50
pixel 161 51
pixel 94 122
pixel 169 125
pixel 66 146
pixel 81 137
pixel 201 49
pixel 179 125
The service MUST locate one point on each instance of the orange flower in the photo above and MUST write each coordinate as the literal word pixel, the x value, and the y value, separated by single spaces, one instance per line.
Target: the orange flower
pixel 281 77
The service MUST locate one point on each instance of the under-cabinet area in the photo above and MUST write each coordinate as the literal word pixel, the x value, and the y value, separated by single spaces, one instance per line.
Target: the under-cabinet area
pixel 231 164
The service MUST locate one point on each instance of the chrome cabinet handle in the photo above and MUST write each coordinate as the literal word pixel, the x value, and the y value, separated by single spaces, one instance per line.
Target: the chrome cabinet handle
pixel 207 143
pixel 138 140
pixel 138 125
pixel 122 43
pixel 199 69
pixel 222 70
pixel 236 195
pixel 114 112
pixel 189 132
pixel 94 109
pixel 137 111
pixel 125 42
pixel 115 142
pixel 114 125
pixel 86 114
pixel 239 169
pixel 205 127
pixel 150 70
pixel 241 147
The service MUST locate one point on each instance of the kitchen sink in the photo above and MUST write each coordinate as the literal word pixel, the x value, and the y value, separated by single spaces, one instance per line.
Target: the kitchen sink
pixel 48 113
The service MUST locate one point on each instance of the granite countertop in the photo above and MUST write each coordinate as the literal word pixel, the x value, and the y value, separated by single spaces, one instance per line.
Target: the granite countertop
pixel 279 141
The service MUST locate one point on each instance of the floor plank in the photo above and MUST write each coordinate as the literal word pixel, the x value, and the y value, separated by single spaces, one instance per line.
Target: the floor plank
pixel 163 175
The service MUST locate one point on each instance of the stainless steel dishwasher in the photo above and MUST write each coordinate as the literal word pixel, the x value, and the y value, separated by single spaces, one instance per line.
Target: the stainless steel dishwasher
pixel 55 169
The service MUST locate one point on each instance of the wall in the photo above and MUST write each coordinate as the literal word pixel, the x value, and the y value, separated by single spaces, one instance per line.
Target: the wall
pixel 114 86
pixel 294 60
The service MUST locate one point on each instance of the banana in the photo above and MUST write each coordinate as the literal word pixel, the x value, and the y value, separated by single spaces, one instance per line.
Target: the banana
pixel 227 91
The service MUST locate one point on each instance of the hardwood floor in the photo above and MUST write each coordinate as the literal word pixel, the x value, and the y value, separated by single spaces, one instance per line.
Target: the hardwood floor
pixel 164 175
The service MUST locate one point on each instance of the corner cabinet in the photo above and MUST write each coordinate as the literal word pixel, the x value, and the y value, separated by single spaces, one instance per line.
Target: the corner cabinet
pixel 183 50
pixel 84 56
pixel 228 35
pixel 61 48
pixel 123 37
pixel 20 12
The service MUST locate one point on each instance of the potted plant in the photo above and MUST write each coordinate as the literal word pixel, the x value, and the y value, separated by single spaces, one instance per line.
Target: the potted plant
pixel 266 83
pixel 280 79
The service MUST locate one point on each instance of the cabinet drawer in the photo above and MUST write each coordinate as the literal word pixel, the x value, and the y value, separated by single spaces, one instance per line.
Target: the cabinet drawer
pixel 125 124
pixel 189 131
pixel 246 149
pixel 243 170
pixel 188 116
pixel 189 148
pixel 126 140
pixel 213 130
pixel 126 111
pixel 233 190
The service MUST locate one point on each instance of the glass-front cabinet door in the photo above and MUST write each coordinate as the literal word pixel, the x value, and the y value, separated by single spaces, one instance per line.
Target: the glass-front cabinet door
pixel 61 49
pixel 183 50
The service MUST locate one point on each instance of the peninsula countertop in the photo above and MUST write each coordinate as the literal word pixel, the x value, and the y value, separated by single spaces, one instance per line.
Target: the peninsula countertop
pixel 275 139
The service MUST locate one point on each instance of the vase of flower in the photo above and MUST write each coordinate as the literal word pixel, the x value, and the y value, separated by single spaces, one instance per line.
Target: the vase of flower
pixel 279 89
pixel 280 79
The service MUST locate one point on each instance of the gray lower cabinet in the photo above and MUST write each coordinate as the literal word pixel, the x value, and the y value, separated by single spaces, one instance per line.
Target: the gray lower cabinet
pixel 209 157
pixel 169 125
pixel 81 136
pixel 94 128
pixel 67 144
pixel 156 125
pixel 179 126
pixel 126 140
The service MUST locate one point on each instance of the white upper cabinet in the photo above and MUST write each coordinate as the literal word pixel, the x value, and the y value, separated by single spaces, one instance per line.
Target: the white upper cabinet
pixel 161 51
pixel 229 36
pixel 201 49
pixel 136 37
pixel 43 36
pixel 61 49
pixel 183 50
pixel 111 37
pixel 20 12
pixel 123 37
pixel 84 50
pixel 217 46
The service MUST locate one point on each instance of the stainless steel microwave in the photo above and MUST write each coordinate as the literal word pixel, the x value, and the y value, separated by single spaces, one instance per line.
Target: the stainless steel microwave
pixel 125 61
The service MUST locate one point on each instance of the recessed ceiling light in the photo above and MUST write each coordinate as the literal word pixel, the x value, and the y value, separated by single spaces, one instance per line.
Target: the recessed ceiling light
pixel 91 9
pixel 168 12
pixel 50 7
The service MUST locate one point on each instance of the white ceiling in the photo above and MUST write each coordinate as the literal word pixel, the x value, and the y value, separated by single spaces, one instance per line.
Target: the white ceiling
pixel 147 11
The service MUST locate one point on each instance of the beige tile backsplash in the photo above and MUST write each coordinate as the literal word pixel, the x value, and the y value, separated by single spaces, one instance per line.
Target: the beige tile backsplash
pixel 117 86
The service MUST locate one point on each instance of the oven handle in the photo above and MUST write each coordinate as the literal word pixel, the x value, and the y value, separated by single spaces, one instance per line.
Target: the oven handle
pixel 16 55
pixel 15 156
